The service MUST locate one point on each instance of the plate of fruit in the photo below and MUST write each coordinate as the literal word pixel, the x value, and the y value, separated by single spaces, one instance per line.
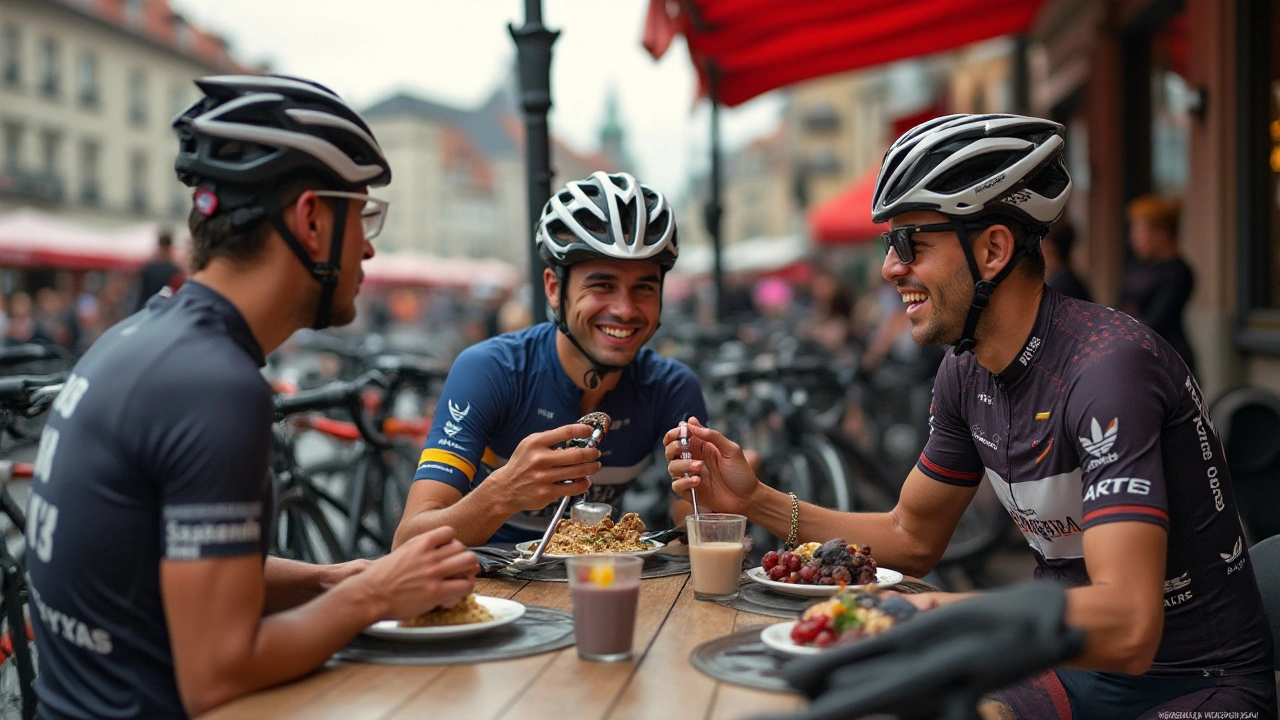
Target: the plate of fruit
pixel 846 617
pixel 820 569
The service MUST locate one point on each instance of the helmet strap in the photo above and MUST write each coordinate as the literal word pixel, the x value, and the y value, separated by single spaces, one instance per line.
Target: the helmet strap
pixel 598 369
pixel 982 289
pixel 327 273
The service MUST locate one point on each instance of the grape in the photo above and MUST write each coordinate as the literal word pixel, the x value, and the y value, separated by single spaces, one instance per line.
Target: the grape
pixel 826 580
pixel 824 638
pixel 770 559
pixel 777 573
pixel 806 573
pixel 841 575
pixel 794 562
pixel 793 578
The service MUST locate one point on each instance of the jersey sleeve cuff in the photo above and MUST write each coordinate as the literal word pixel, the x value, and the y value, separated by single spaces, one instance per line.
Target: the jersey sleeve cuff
pixel 1125 513
pixel 946 475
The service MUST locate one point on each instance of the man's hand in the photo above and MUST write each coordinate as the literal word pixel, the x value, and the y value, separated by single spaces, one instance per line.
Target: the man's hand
pixel 719 469
pixel 535 475
pixel 338 572
pixel 429 571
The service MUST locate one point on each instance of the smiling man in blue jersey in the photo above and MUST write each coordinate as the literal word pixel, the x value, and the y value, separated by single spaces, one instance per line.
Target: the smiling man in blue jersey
pixel 490 468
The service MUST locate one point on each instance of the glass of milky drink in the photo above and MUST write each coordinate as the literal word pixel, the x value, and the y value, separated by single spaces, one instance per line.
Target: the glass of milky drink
pixel 715 554
pixel 605 590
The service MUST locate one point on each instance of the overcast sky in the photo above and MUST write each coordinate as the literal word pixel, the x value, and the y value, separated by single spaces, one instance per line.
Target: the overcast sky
pixel 456 51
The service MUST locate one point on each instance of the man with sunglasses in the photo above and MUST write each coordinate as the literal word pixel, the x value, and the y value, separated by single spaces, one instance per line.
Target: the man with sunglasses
pixel 150 518
pixel 1088 426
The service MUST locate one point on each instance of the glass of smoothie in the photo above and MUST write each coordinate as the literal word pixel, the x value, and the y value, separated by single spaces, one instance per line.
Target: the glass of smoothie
pixel 605 590
pixel 715 554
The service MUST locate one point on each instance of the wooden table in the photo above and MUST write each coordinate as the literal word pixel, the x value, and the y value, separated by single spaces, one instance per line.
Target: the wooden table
pixel 659 682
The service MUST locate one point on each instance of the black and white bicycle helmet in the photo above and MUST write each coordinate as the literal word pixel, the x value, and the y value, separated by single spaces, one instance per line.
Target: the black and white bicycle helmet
pixel 257 129
pixel 611 216
pixel 978 169
pixel 251 133
pixel 607 215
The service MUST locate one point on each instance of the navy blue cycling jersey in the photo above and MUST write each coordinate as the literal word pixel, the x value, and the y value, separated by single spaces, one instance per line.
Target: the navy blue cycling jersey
pixel 158 448
pixel 506 388
pixel 1098 420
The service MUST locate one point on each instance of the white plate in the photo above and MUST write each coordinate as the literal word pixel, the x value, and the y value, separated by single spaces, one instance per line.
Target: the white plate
pixel 884 578
pixel 778 637
pixel 527 548
pixel 504 612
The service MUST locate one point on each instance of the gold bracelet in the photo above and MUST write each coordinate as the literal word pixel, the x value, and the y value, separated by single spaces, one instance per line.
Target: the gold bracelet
pixel 794 534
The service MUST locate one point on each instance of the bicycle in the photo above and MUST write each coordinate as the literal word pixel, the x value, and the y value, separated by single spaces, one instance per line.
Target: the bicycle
pixel 350 507
pixel 23 396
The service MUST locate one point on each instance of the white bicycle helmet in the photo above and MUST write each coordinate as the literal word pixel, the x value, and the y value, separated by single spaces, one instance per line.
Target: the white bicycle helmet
pixel 611 216
pixel 967 165
pixel 978 170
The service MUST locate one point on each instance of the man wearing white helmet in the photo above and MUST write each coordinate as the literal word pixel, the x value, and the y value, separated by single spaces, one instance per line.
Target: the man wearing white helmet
pixel 152 595
pixel 1087 425
pixel 489 468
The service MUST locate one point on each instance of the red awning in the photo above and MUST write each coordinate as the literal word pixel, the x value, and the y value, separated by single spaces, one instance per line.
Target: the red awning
pixel 846 216
pixel 760 45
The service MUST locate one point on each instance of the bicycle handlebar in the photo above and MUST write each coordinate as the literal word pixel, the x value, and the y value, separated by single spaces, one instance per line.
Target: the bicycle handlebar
pixel 942 662
pixel 340 394
pixel 23 393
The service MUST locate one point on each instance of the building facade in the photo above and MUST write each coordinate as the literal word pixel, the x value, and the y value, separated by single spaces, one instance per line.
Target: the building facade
pixel 88 89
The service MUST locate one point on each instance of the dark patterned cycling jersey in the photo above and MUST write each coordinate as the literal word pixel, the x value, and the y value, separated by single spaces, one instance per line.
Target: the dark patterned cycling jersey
pixel 1098 420
pixel 157 450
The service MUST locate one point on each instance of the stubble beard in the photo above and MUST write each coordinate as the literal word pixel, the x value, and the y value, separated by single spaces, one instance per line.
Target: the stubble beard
pixel 950 303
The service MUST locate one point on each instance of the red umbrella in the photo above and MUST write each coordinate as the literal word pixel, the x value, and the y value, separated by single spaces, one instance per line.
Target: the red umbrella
pixel 846 216
pixel 760 45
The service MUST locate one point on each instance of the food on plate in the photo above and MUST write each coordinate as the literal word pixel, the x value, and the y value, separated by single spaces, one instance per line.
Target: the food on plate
pixel 468 611
pixel 574 538
pixel 834 562
pixel 849 616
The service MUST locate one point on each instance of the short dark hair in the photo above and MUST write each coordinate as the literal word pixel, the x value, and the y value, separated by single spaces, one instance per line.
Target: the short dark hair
pixel 164 237
pixel 1032 264
pixel 216 236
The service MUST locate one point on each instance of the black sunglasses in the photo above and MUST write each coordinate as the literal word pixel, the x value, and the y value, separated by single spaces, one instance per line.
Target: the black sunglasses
pixel 899 238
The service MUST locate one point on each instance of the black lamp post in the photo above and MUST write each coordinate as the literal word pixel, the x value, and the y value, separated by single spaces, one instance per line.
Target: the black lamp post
pixel 533 55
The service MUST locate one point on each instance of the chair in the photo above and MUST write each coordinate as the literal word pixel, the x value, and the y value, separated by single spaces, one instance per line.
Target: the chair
pixel 1248 421
pixel 1266 567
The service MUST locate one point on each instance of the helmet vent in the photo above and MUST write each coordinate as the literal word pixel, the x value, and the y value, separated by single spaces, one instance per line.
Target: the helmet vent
pixel 591 223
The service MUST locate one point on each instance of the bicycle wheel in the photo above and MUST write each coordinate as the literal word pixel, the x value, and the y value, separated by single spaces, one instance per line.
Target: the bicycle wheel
pixel 303 533
pixel 400 463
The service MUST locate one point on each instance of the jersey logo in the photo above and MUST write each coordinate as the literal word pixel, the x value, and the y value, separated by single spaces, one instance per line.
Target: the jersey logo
pixel 1174 586
pixel 1042 415
pixel 1235 552
pixel 457 413
pixel 546 414
pixel 451 430
pixel 1099 445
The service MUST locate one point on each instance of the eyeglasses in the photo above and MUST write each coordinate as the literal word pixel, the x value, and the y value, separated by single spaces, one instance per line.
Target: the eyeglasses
pixel 372 215
pixel 899 238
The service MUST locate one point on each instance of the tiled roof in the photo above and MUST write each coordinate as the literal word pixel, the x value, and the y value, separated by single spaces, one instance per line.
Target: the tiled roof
pixel 157 23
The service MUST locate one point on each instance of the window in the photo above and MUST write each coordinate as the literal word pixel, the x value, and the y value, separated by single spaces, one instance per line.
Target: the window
pixel 50 147
pixel 90 192
pixel 87 79
pixel 138 98
pixel 138 175
pixel 49 70
pixel 12 146
pixel 11 55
